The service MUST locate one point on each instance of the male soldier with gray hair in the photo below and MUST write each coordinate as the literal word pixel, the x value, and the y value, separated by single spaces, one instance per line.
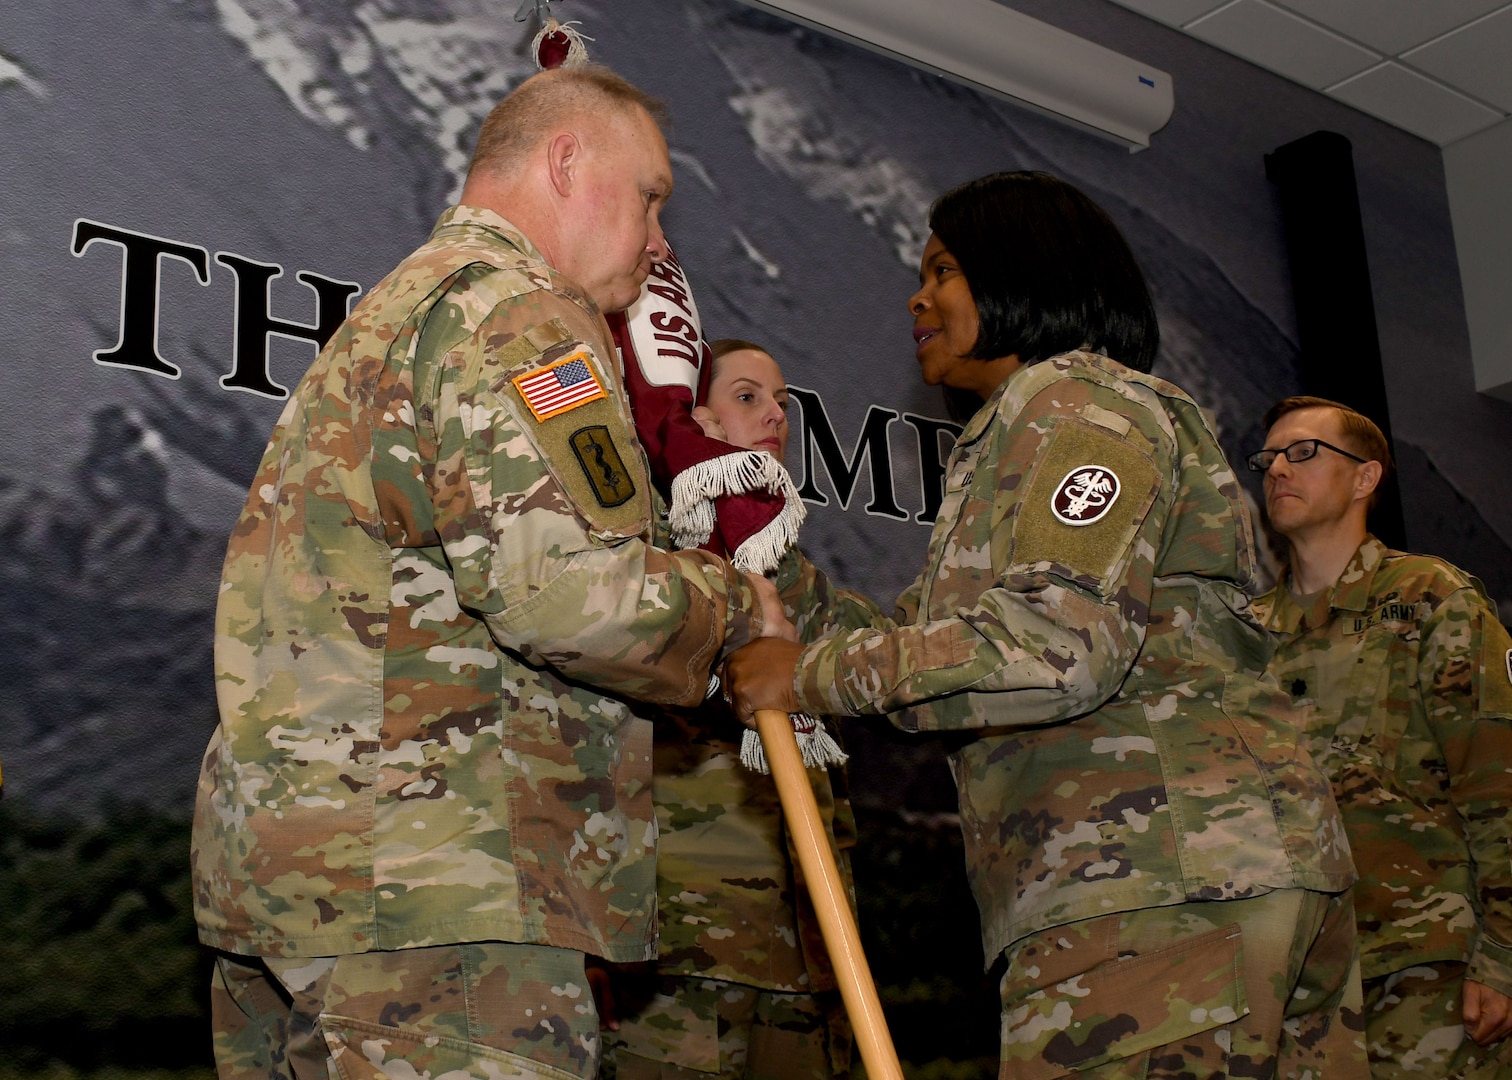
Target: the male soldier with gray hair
pixel 427 798
pixel 1405 673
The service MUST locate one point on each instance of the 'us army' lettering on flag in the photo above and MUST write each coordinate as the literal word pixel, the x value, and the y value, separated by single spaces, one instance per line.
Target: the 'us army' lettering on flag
pixel 564 385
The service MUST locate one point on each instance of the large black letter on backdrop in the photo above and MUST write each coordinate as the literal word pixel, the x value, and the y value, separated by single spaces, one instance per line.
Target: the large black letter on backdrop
pixel 931 467
pixel 254 321
pixel 872 442
pixel 143 253
pixel 1325 244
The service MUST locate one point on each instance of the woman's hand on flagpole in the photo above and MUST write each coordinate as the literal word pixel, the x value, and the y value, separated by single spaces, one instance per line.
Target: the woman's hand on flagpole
pixel 760 676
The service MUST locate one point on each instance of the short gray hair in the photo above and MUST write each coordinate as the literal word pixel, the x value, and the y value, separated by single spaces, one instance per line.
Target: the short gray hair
pixel 523 118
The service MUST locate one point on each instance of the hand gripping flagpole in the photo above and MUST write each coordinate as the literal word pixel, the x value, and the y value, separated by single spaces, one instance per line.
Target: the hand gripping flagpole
pixel 831 903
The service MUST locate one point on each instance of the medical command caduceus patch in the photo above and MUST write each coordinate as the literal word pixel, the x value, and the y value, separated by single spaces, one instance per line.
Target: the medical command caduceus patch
pixel 1086 494
pixel 1083 504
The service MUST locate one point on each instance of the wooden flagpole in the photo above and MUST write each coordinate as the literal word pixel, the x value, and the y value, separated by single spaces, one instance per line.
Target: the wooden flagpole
pixel 831 904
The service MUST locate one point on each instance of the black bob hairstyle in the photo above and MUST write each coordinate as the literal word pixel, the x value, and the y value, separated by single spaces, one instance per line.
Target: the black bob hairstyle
pixel 1048 269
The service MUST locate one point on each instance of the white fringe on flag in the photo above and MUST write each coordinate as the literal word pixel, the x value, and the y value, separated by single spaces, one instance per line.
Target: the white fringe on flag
pixel 695 489
pixel 818 748
pixel 692 516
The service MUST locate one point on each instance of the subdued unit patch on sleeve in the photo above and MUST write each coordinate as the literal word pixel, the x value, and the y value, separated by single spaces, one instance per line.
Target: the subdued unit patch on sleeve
pixel 1496 670
pixel 1085 501
pixel 586 444
pixel 602 464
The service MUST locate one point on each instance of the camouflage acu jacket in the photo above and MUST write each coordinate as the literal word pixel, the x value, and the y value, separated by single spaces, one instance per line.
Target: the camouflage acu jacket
pixel 1403 671
pixel 733 903
pixel 438 600
pixel 1084 608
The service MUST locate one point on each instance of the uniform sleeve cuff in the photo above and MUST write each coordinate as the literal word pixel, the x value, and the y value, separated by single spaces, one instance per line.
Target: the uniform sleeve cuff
pixel 744 620
pixel 815 684
pixel 1491 964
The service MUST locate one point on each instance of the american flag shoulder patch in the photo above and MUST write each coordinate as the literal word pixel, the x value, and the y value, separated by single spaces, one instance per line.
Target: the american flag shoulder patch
pixel 560 386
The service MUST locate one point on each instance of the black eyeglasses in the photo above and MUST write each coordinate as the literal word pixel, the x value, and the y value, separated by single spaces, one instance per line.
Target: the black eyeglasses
pixel 1301 450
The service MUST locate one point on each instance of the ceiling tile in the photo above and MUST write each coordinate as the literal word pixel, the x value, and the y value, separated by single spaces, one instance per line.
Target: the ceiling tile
pixel 1172 12
pixel 1409 101
pixel 1392 25
pixel 1473 59
pixel 1278 40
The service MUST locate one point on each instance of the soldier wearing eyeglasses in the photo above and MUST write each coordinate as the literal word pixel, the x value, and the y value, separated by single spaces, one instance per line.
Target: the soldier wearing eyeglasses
pixel 1405 676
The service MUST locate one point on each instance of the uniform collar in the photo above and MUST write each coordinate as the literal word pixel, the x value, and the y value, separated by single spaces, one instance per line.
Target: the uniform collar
pixel 499 230
pixel 1351 592
pixel 1028 380
pixel 477 217
pixel 982 418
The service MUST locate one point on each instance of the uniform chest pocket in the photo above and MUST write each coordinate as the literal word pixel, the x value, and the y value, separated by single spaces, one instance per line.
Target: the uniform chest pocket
pixel 1374 712
pixel 962 537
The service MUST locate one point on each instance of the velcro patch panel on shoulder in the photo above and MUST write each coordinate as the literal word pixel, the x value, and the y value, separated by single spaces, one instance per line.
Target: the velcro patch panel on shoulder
pixel 545 339
pixel 1495 675
pixel 1085 500
pixel 563 396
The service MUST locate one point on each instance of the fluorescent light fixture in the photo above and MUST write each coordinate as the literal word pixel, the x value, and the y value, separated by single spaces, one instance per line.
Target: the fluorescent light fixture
pixel 989 47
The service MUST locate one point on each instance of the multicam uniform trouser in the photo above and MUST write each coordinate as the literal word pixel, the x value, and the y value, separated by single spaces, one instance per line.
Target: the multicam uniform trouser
pixel 1414 1029
pixel 1265 987
pixel 486 1011
pixel 695 1028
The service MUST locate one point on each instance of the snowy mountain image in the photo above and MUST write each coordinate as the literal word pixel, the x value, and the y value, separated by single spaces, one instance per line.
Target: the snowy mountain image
pixel 190 142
